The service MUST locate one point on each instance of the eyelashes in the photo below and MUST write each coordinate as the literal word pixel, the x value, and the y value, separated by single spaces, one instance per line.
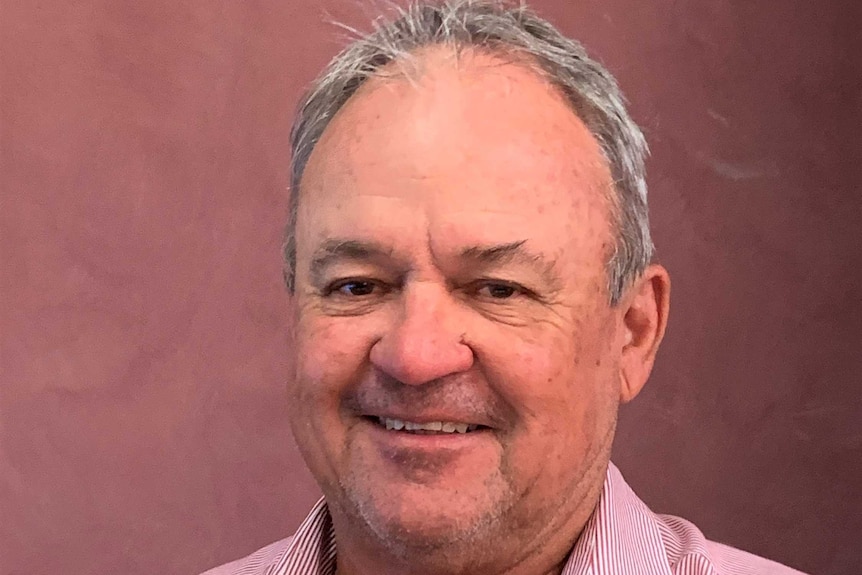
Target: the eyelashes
pixel 362 288
pixel 499 290
pixel 353 287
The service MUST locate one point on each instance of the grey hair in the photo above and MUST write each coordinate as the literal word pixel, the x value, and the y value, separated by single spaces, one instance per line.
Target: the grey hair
pixel 497 28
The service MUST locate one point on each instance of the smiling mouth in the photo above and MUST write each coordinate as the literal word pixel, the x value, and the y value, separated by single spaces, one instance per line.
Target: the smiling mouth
pixel 427 428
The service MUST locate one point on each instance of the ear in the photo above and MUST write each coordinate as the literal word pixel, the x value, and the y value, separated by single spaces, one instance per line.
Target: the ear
pixel 645 317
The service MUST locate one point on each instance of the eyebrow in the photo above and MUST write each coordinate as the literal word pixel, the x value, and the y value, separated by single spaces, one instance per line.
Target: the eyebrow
pixel 335 250
pixel 513 253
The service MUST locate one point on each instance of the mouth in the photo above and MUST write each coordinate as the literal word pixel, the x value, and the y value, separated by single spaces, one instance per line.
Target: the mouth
pixel 427 427
pixel 437 448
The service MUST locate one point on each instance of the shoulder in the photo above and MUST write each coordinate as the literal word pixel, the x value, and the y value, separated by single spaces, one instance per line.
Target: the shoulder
pixel 630 534
pixel 689 553
pixel 257 563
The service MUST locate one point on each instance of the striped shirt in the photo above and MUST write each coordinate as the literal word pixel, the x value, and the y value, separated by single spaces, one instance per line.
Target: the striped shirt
pixel 622 537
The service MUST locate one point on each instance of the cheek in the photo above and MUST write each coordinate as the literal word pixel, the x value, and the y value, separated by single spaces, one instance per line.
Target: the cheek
pixel 324 356
pixel 330 357
pixel 561 382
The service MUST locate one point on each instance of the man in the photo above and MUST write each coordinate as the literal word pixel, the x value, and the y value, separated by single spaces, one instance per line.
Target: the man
pixel 469 263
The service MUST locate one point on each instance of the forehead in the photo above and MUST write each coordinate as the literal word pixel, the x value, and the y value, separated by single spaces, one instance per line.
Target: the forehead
pixel 449 139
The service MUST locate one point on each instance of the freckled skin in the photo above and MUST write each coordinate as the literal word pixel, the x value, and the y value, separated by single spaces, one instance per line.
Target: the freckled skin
pixel 470 153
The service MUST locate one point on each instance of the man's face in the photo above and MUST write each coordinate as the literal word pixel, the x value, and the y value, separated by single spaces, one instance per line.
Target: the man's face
pixel 451 247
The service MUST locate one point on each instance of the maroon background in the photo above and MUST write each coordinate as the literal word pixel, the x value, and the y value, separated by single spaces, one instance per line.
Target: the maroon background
pixel 144 172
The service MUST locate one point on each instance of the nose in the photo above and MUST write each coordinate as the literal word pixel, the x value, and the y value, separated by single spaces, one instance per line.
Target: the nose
pixel 425 342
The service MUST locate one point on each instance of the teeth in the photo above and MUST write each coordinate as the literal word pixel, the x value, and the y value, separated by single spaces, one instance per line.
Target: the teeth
pixel 395 424
pixel 434 426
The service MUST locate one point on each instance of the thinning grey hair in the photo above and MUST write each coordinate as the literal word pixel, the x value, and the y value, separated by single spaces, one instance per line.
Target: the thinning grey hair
pixel 497 28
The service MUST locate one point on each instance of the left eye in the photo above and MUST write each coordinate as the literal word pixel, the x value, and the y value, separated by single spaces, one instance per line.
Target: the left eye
pixel 499 290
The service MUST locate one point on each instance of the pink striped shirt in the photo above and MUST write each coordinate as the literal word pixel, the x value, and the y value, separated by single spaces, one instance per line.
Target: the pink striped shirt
pixel 622 537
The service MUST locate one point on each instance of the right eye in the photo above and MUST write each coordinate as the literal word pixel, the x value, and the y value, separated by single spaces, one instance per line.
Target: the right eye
pixel 353 288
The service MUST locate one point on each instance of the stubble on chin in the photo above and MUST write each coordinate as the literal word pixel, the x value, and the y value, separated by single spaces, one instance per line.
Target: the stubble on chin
pixel 454 544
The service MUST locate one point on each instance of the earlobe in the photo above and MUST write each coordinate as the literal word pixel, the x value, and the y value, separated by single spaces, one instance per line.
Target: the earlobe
pixel 645 320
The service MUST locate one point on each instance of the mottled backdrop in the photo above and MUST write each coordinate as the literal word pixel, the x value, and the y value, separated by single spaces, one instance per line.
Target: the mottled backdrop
pixel 143 164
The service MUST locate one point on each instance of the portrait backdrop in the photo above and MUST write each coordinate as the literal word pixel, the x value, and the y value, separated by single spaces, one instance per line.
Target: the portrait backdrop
pixel 143 358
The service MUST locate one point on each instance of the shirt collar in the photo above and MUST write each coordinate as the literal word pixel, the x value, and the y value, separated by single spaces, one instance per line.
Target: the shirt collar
pixel 622 536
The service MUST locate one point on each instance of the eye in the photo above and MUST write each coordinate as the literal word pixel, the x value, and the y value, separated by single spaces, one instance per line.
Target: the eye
pixel 499 290
pixel 353 288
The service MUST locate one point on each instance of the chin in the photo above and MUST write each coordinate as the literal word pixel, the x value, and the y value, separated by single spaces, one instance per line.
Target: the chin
pixel 424 520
